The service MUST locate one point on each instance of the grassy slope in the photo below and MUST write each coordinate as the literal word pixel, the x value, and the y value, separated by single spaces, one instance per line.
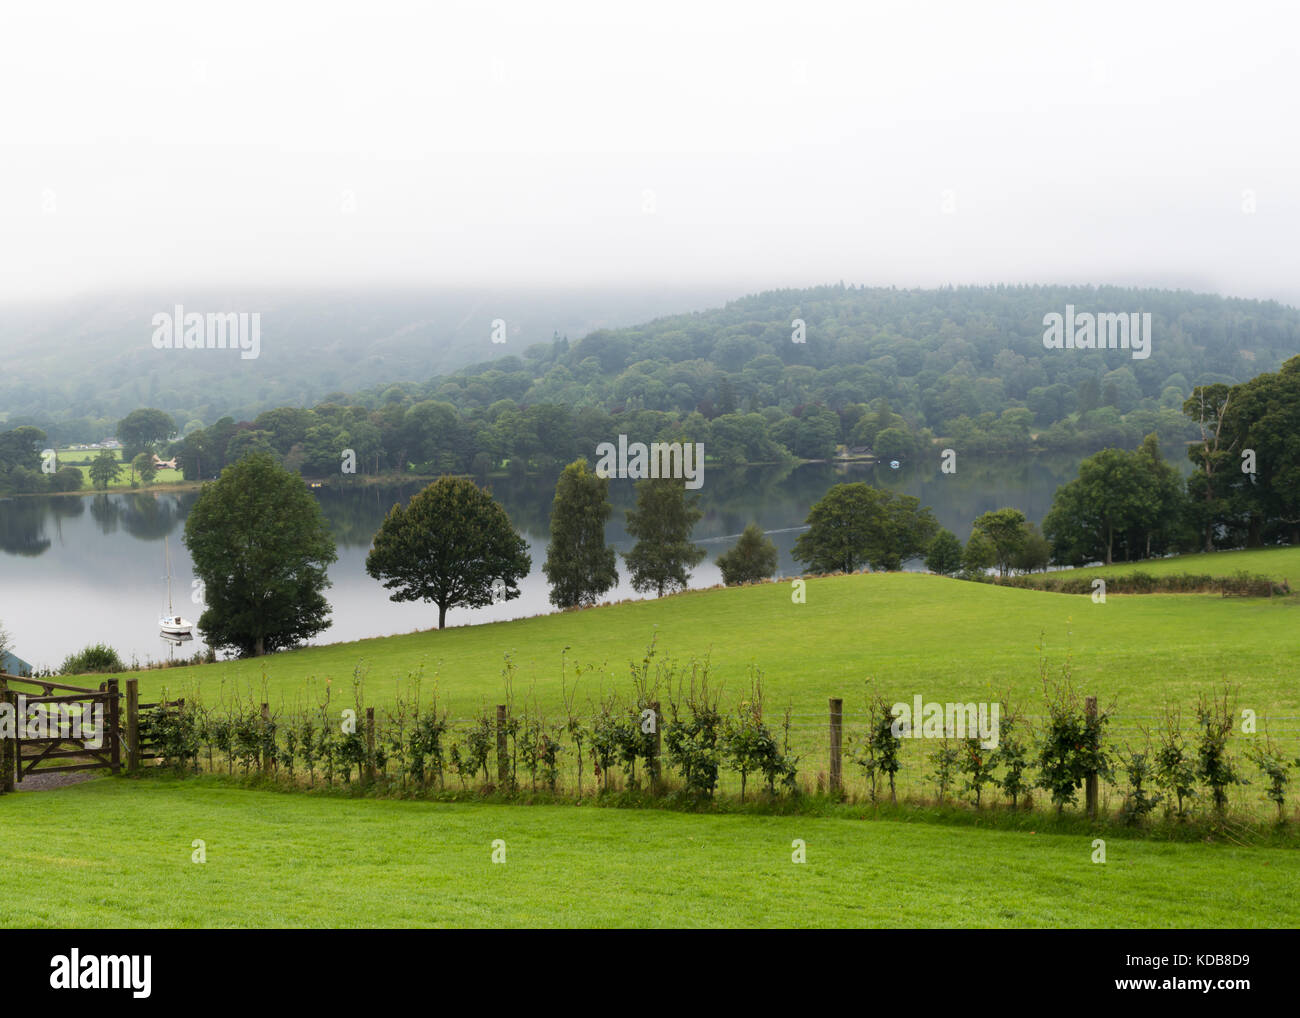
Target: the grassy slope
pixel 117 852
pixel 1275 563
pixel 908 633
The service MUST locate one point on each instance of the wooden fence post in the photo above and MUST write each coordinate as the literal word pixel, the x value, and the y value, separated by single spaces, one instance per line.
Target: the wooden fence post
pixel 837 742
pixel 266 723
pixel 132 725
pixel 115 726
pixel 370 745
pixel 8 746
pixel 1090 783
pixel 503 762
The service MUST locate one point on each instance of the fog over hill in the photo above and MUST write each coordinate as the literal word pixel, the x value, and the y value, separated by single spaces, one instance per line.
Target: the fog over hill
pixel 93 357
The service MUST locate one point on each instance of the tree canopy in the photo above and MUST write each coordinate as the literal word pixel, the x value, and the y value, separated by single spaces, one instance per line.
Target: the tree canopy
pixel 580 566
pixel 261 547
pixel 452 545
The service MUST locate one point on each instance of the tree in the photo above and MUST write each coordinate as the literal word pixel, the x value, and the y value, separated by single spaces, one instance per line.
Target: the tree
pixel 662 522
pixel 141 430
pixel 894 443
pixel 104 470
pixel 855 525
pixel 752 559
pixel 1005 529
pixel 979 554
pixel 1164 527
pixel 4 643
pixel 944 554
pixel 580 566
pixel 452 545
pixel 1035 552
pixel 143 465
pixel 1210 406
pixel 840 528
pixel 261 547
pixel 1110 495
pixel 908 528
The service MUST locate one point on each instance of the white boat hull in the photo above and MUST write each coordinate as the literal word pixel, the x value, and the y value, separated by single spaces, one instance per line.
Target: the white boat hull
pixel 174 625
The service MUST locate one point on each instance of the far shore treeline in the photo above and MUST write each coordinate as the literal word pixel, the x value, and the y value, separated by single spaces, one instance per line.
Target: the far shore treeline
pixel 787 373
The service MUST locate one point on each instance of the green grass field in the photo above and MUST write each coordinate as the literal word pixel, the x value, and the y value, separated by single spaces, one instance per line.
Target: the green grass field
pixel 117 852
pixel 1275 563
pixel 74 457
pixel 897 634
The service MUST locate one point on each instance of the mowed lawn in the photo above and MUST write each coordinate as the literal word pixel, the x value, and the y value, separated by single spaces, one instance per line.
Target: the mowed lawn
pixel 897 634
pixel 118 853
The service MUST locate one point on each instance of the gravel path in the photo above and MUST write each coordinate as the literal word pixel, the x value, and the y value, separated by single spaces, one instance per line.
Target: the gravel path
pixel 39 782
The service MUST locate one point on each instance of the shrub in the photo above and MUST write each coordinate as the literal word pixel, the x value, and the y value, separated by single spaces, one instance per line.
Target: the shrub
pixel 1213 765
pixel 1139 769
pixel 1012 754
pixel 879 751
pixel 96 658
pixel 691 739
pixel 1175 769
pixel 1276 770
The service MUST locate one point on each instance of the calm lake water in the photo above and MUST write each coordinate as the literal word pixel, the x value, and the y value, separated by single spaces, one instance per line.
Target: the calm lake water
pixel 90 569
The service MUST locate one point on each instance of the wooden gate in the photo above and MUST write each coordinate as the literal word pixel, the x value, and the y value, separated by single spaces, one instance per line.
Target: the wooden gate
pixel 57 728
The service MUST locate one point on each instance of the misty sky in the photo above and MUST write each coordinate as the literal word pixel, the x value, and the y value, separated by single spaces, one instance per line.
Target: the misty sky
pixel 753 144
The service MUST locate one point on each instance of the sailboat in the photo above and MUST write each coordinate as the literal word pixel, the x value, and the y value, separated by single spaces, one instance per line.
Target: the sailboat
pixel 172 625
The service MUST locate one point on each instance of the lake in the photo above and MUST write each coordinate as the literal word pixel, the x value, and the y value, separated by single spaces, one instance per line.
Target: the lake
pixel 76 570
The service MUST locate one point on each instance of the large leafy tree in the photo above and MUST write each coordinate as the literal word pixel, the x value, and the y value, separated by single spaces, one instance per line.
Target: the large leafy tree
pixel 21 447
pixel 261 547
pixel 452 545
pixel 1005 528
pixel 752 559
pixel 853 525
pixel 141 430
pixel 1164 527
pixel 840 530
pixel 1268 414
pixel 580 566
pixel 1110 495
pixel 944 554
pixel 1212 408
pixel 104 470
pixel 662 522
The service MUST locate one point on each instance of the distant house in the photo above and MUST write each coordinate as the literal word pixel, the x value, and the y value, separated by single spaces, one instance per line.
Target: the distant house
pixel 12 664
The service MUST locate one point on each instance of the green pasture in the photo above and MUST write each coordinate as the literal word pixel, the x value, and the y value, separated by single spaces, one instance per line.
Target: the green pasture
pixel 75 457
pixel 894 634
pixel 119 853
pixel 1276 563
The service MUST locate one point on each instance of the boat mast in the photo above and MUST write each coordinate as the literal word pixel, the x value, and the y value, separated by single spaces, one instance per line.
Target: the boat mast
pixel 167 552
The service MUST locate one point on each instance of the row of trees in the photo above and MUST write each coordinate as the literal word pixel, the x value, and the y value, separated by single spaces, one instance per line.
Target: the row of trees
pixel 260 544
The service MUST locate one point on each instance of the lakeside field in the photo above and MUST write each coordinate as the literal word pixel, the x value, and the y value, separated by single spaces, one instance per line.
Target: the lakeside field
pixel 894 633
pixel 118 853
pixel 1276 563
pixel 81 458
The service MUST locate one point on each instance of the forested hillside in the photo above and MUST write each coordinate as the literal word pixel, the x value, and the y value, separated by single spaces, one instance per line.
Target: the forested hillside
pixel 76 368
pixel 962 363
pixel 792 373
